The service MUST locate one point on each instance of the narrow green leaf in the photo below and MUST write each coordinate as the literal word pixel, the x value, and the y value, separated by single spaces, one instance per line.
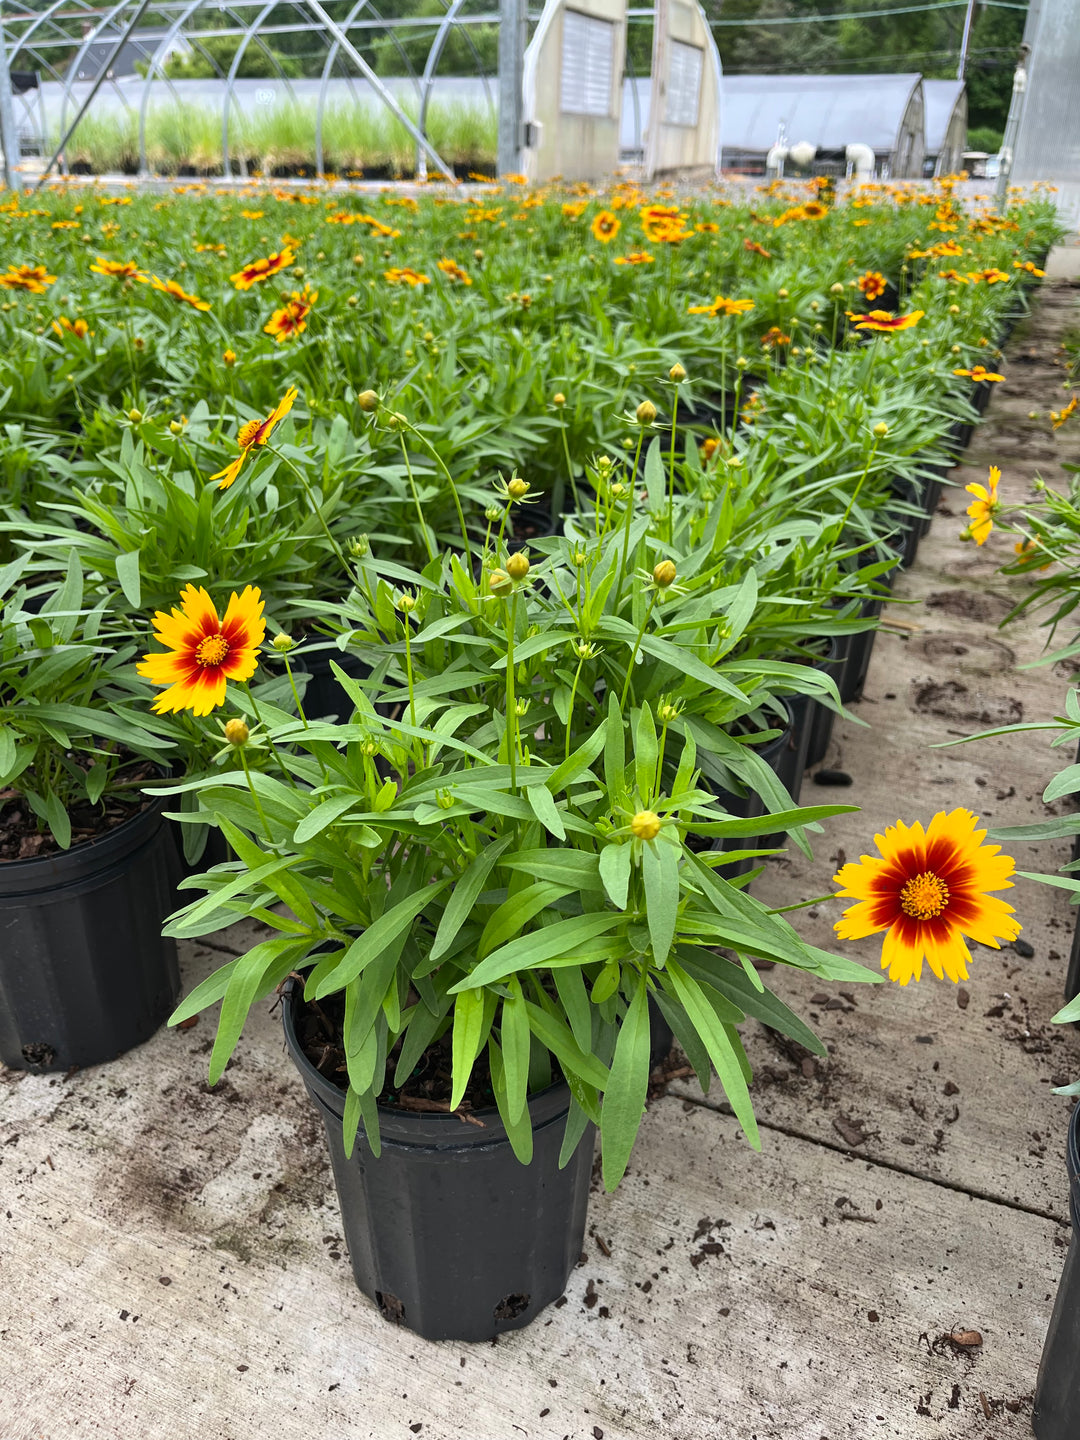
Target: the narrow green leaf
pixel 516 1045
pixel 616 860
pixel 660 869
pixel 545 945
pixel 127 572
pixel 624 1094
pixel 468 1023
pixel 378 936
pixel 646 754
pixel 545 810
pixel 721 1052
pixel 464 896
pixel 556 1036
pixel 518 1126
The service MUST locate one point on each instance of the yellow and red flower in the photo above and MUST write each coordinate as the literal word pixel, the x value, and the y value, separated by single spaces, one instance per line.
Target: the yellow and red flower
pixel 885 321
pixel 979 373
pixel 291 319
pixel 1059 417
pixel 927 892
pixel 1029 266
pixel 756 249
pixel 202 652
pixel 256 271
pixel 636 257
pixel 722 305
pixel 252 435
pixel 774 336
pixel 605 227
pixel 78 327
pixel 404 276
pixel 118 269
pixel 991 276
pixel 984 507
pixel 170 287
pixel 873 284
pixel 34 278
pixel 453 271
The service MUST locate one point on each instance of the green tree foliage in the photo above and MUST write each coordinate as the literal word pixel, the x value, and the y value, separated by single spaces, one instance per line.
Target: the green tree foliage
pixel 213 57
pixel 927 43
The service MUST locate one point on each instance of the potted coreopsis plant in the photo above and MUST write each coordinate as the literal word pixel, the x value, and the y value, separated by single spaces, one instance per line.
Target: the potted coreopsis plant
pixel 486 877
pixel 88 866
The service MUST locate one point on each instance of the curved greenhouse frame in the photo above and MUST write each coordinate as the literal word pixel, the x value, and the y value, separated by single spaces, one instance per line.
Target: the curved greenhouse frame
pixel 72 51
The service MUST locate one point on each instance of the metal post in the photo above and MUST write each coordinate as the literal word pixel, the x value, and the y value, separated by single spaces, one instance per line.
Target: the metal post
pixel 964 42
pixel 1012 129
pixel 513 35
pixel 9 133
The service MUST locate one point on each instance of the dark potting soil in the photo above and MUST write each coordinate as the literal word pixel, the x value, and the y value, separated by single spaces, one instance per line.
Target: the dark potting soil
pixel 319 1028
pixel 23 838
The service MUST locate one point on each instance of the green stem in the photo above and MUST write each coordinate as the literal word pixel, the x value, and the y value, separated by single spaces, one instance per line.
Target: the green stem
pixel 310 494
pixel 296 693
pixel 671 467
pixel 570 711
pixel 633 653
pixel 511 704
pixel 629 517
pixel 273 749
pixel 570 469
pixel 416 501
pixel 430 448
pixel 254 796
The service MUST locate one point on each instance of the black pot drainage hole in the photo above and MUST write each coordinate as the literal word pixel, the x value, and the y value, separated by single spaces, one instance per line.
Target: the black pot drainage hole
pixel 511 1306
pixel 38 1054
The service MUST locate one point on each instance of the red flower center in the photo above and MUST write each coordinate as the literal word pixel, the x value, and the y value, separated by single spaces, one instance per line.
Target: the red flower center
pixel 212 650
pixel 924 897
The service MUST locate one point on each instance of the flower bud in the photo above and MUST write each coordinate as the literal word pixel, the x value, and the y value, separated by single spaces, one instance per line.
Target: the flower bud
pixel 358 260
pixel 742 362
pixel 499 582
pixel 1033 414
pixel 881 430
pixel 521 707
pixel 664 573
pixel 558 398
pixel 667 712
pixel 283 643
pixel 645 412
pixel 353 301
pixel 134 416
pixel 175 428
pixel 677 374
pixel 645 825
pixel 954 309
pixel 492 513
pixel 478 254
pixel 618 490
pixel 517 489
pixel 517 567
pixel 406 602
pixel 444 800
pixel 138 342
pixel 836 289
pixel 358 546
pixel 368 401
pixel 236 732
pixel 229 358
pixel 781 294
pixel 580 557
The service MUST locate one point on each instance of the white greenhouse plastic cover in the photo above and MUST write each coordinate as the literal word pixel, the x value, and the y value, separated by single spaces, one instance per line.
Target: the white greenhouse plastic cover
pixel 1048 143
pixel 939 101
pixel 830 111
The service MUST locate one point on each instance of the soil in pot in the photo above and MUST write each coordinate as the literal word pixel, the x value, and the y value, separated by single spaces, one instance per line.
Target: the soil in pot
pixel 448 1233
pixel 85 972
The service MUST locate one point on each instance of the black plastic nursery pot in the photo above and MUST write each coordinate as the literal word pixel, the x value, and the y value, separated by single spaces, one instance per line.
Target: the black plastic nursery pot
pixel 777 755
pixel 448 1233
pixel 323 695
pixel 85 972
pixel 909 528
pixel 860 651
pixel 1057 1392
pixel 822 718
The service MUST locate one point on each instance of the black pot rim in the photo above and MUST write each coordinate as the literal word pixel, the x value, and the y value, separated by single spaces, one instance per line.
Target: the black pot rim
pixel 407 1127
pixel 45 872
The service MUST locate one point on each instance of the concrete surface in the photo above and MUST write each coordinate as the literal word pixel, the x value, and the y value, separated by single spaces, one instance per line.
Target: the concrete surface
pixel 171 1261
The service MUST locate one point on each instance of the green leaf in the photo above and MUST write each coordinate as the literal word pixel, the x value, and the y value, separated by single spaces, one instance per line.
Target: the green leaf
pixel 660 868
pixel 128 574
pixel 717 1042
pixel 1069 1013
pixel 614 752
pixel 378 936
pixel 240 993
pixel 545 810
pixel 624 1094
pixel 1066 782
pixel 464 896
pixel 516 911
pixel 616 862
pixel 518 1126
pixel 545 945
pixel 468 1025
pixel 570 985
pixel 577 1122
pixel 646 754
pixel 607 982
pixel 58 820
pixel 516 1045
pixel 556 1036
pixel 576 765
pixel 323 815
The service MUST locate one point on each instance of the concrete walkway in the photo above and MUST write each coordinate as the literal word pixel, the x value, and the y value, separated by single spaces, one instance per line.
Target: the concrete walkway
pixel 171 1262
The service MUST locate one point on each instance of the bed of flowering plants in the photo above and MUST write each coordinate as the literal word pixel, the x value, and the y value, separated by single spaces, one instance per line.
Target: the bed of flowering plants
pixel 476 563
